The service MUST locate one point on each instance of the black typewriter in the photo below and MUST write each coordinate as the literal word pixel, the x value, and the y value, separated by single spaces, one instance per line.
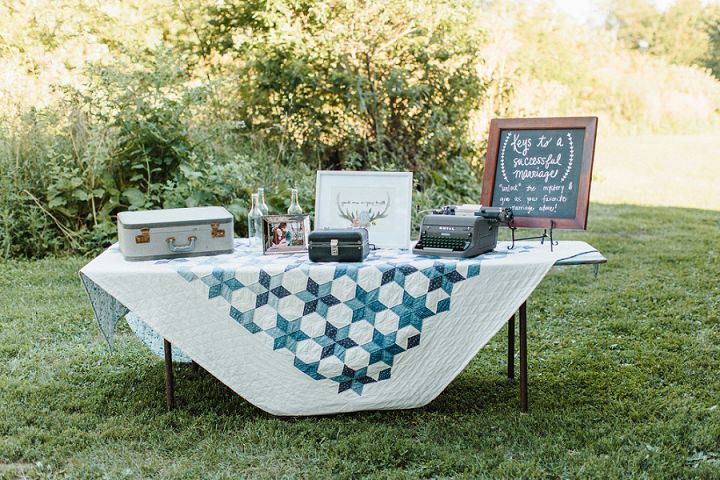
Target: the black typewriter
pixel 451 235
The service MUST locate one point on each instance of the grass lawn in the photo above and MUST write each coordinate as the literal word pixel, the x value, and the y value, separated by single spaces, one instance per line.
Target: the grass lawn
pixel 624 382
pixel 677 171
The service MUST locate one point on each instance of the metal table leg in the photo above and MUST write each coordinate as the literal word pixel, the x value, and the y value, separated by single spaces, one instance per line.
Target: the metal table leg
pixel 523 358
pixel 169 379
pixel 511 349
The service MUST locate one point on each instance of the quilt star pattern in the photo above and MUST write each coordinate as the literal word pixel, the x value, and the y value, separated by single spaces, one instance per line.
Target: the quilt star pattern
pixel 341 322
pixel 300 338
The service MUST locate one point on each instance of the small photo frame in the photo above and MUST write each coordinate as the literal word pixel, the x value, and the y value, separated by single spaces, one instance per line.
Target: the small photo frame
pixel 381 202
pixel 285 233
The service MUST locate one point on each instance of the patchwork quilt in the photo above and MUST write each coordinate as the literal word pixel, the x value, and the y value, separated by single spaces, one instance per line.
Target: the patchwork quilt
pixel 301 338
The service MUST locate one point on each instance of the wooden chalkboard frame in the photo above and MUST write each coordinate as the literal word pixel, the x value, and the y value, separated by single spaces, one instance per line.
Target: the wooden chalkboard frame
pixel 589 124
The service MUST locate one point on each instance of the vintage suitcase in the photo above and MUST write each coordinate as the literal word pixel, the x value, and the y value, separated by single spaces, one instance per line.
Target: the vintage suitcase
pixel 338 245
pixel 175 232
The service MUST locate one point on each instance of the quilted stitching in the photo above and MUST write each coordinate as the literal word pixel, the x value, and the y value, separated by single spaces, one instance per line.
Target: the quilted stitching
pixel 341 322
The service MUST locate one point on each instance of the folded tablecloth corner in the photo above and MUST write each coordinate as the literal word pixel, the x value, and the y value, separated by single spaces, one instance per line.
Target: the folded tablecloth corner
pixel 108 313
pixel 108 310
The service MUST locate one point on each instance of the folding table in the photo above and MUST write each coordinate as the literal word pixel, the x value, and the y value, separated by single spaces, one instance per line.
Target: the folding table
pixel 299 338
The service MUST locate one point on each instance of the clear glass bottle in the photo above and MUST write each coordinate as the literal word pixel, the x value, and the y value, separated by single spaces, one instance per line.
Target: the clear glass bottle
pixel 261 201
pixel 255 223
pixel 295 208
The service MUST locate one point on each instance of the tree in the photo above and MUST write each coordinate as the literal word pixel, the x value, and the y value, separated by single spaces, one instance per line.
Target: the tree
pixel 677 34
pixel 681 36
pixel 712 27
pixel 635 22
pixel 355 84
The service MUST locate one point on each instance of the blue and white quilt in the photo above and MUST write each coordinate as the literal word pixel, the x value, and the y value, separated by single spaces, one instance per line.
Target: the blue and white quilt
pixel 301 338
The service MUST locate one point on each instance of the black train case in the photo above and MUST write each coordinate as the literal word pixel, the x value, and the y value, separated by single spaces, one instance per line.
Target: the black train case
pixel 338 245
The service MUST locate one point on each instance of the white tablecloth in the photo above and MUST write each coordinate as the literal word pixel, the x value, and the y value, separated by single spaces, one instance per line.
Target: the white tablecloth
pixel 301 338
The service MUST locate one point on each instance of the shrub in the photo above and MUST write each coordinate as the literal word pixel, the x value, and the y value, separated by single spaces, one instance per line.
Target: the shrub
pixel 132 137
pixel 206 101
pixel 354 85
pixel 148 130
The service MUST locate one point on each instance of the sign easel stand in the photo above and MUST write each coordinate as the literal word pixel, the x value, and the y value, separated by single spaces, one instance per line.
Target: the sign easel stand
pixel 542 236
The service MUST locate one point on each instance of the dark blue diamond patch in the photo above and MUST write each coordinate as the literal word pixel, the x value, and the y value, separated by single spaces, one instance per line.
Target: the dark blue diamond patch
pixel 348 327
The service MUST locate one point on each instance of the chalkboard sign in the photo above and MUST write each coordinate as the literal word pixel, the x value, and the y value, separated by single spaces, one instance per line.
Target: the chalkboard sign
pixel 541 168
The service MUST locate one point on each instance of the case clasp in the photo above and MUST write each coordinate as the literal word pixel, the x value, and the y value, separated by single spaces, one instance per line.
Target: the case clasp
pixel 217 232
pixel 144 236
pixel 334 247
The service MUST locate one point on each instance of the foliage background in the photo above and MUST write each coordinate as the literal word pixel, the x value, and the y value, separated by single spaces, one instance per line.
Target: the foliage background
pixel 167 103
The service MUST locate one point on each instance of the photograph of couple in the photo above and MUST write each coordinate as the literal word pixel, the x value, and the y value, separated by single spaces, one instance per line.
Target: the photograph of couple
pixel 285 233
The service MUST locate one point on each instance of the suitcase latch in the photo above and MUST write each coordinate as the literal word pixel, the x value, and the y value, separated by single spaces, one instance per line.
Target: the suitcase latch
pixel 334 247
pixel 144 236
pixel 217 232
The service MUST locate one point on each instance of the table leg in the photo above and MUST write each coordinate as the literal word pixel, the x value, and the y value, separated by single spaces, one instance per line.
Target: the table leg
pixel 511 349
pixel 523 358
pixel 169 379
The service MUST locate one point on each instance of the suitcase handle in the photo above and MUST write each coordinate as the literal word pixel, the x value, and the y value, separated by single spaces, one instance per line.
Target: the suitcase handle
pixel 181 248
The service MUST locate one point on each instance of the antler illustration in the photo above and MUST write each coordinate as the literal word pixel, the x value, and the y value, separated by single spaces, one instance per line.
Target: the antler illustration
pixel 343 214
pixel 354 216
pixel 383 214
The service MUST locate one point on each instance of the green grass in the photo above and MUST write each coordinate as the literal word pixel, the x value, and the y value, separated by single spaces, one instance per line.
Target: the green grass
pixel 624 382
pixel 669 170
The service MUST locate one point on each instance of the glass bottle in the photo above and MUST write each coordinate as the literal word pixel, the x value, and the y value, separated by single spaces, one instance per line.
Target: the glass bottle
pixel 295 208
pixel 255 223
pixel 261 201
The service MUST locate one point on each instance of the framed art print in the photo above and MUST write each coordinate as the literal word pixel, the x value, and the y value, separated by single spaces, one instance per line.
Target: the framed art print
pixel 381 202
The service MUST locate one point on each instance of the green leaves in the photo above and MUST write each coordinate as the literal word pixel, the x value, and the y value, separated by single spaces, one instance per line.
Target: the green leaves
pixel 356 85
pixel 135 198
pixel 301 85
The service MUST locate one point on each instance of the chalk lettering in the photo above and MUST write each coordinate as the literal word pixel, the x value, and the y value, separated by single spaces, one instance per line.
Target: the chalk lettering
pixel 546 175
pixel 523 208
pixel 534 161
pixel 561 198
pixel 542 143
pixel 553 188
pixel 521 146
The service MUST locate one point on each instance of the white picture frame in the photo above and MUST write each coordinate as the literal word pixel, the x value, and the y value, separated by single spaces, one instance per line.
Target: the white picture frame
pixel 378 201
